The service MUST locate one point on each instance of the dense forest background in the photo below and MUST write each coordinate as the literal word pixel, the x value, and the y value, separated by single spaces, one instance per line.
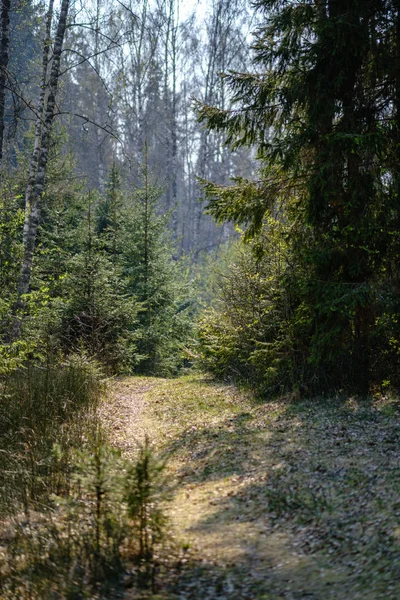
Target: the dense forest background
pixel 101 158
pixel 129 75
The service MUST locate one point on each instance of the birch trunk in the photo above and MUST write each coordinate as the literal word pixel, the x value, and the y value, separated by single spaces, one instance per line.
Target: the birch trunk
pixel 34 192
pixel 209 98
pixel 174 133
pixel 39 121
pixel 4 56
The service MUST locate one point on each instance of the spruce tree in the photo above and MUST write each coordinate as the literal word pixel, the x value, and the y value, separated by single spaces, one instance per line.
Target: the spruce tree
pixel 156 280
pixel 109 212
pixel 99 313
pixel 321 111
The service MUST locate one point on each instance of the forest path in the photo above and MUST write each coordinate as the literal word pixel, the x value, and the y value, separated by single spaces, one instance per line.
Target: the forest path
pixel 289 499
pixel 122 414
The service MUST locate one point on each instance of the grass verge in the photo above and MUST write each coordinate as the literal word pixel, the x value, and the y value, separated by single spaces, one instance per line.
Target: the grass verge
pixel 288 499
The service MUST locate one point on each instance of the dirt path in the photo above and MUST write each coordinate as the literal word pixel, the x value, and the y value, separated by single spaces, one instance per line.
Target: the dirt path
pixel 122 413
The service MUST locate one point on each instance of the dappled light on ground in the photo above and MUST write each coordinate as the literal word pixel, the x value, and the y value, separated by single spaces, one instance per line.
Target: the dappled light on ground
pixel 282 499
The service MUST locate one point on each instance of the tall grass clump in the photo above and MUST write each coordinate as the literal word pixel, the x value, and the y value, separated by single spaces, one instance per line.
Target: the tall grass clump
pixel 43 404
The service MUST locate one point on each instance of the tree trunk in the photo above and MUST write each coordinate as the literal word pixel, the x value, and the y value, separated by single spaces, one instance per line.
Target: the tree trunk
pixel 4 56
pixel 39 121
pixel 34 192
pixel 167 106
pixel 174 135
pixel 397 84
pixel 100 159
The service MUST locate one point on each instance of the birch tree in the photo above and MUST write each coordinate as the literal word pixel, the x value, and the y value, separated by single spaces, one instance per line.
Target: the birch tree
pixel 38 168
pixel 223 51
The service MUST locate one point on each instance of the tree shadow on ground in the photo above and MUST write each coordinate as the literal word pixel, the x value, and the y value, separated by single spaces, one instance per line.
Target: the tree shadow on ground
pixel 310 505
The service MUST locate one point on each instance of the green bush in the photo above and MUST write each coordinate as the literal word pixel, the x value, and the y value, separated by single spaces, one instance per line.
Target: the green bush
pixel 108 521
pixel 277 328
pixel 250 336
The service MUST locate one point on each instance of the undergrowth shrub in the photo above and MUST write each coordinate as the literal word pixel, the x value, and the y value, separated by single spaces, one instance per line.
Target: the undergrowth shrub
pixel 277 329
pixel 98 313
pixel 145 488
pixel 250 335
pixel 108 282
pixel 108 522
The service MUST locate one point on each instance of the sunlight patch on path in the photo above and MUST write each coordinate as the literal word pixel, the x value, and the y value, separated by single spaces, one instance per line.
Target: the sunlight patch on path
pixel 122 413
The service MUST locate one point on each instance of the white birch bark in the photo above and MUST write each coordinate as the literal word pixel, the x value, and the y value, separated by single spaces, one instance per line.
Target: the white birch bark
pixel 39 121
pixel 100 160
pixel 35 187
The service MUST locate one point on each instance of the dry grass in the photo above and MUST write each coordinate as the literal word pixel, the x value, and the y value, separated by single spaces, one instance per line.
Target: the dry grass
pixel 290 499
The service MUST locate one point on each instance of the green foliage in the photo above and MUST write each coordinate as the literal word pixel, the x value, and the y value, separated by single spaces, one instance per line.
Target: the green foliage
pixel 246 202
pixel 144 487
pixel 11 220
pixel 98 312
pixel 105 281
pixel 208 271
pixel 110 208
pixel 325 120
pixel 159 282
pixel 86 539
pixel 77 294
pixel 249 337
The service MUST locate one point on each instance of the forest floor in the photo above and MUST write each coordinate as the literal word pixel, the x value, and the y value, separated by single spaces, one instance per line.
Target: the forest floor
pixel 288 499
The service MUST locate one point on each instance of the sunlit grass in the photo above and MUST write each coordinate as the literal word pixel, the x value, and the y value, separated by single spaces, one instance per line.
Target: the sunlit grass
pixel 297 497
